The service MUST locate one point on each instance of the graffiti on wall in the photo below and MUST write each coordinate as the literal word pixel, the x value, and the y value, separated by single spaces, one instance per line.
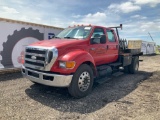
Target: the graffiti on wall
pixel 148 47
pixel 13 49
pixel 15 35
pixel 51 35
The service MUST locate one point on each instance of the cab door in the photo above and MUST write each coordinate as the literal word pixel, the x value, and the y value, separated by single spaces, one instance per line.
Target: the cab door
pixel 98 47
pixel 112 46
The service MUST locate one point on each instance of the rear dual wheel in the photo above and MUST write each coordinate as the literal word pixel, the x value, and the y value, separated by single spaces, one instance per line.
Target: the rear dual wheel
pixel 133 67
pixel 82 82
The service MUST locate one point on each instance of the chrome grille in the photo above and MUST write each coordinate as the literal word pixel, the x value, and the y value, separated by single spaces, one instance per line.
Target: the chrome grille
pixel 40 58
pixel 35 57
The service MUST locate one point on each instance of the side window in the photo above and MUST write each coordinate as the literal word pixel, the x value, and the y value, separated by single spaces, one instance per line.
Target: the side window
pixel 110 36
pixel 98 32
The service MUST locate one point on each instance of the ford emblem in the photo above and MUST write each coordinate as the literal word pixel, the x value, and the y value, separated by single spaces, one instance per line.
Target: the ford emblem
pixel 33 57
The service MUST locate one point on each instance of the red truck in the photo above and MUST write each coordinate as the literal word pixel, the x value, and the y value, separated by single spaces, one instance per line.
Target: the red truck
pixel 78 55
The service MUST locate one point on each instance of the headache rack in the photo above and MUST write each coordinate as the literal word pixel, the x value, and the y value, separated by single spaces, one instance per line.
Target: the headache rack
pixel 123 45
pixel 122 42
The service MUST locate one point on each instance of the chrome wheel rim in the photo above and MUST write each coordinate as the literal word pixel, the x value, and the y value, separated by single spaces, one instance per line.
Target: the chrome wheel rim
pixel 84 81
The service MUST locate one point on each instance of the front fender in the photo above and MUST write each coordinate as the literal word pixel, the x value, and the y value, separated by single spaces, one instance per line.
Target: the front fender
pixel 78 56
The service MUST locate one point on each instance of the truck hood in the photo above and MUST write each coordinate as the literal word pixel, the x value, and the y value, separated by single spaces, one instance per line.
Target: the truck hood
pixel 56 42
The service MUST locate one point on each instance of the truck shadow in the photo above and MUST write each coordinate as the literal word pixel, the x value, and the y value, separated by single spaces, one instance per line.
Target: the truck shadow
pixel 111 91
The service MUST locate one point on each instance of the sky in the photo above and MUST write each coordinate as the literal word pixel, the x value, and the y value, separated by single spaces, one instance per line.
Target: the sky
pixel 139 17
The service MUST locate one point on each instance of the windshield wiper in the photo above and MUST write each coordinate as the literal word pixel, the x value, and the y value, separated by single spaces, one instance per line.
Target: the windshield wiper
pixel 70 37
pixel 57 37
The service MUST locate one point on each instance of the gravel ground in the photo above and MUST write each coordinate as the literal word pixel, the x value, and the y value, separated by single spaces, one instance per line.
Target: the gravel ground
pixel 123 98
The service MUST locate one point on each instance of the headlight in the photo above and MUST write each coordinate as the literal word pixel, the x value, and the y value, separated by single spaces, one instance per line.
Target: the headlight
pixel 51 58
pixel 62 64
pixel 67 64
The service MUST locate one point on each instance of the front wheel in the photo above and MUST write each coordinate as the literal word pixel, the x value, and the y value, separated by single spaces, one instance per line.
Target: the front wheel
pixel 82 82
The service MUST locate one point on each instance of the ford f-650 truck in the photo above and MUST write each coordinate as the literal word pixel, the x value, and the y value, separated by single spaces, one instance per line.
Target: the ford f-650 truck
pixel 78 55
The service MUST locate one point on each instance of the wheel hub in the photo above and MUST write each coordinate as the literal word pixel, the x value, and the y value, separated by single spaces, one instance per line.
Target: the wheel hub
pixel 84 81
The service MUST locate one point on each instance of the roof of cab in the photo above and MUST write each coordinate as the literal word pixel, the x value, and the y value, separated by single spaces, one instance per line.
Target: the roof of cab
pixel 90 26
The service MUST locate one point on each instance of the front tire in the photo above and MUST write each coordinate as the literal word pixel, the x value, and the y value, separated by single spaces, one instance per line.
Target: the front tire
pixel 82 82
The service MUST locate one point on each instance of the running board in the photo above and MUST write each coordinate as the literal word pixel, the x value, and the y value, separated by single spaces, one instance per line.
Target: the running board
pixel 102 80
pixel 117 74
pixel 107 78
pixel 115 64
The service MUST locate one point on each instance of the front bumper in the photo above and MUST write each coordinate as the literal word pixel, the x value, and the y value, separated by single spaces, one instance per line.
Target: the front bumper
pixel 47 78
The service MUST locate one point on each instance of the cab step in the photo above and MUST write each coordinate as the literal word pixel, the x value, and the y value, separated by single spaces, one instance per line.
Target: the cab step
pixel 107 78
pixel 115 64
pixel 117 74
pixel 102 80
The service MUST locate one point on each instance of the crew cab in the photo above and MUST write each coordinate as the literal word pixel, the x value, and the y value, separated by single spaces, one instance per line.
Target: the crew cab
pixel 76 56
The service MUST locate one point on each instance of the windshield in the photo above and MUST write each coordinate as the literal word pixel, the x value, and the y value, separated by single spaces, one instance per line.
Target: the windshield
pixel 81 32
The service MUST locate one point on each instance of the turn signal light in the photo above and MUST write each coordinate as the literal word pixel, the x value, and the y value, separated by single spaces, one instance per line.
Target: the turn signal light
pixel 68 64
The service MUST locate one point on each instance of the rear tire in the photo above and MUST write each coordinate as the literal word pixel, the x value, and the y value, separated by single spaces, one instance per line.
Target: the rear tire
pixel 133 68
pixel 82 82
pixel 126 69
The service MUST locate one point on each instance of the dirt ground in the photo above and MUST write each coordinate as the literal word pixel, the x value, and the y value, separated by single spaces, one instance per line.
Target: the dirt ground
pixel 128 97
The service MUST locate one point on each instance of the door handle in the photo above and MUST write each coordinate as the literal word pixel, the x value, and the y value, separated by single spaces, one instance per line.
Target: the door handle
pixel 92 48
pixel 107 47
pixel 116 46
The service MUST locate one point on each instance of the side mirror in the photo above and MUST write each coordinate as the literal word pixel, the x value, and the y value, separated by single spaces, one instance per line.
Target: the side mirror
pixel 95 39
pixel 98 39
pixel 103 39
pixel 97 36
